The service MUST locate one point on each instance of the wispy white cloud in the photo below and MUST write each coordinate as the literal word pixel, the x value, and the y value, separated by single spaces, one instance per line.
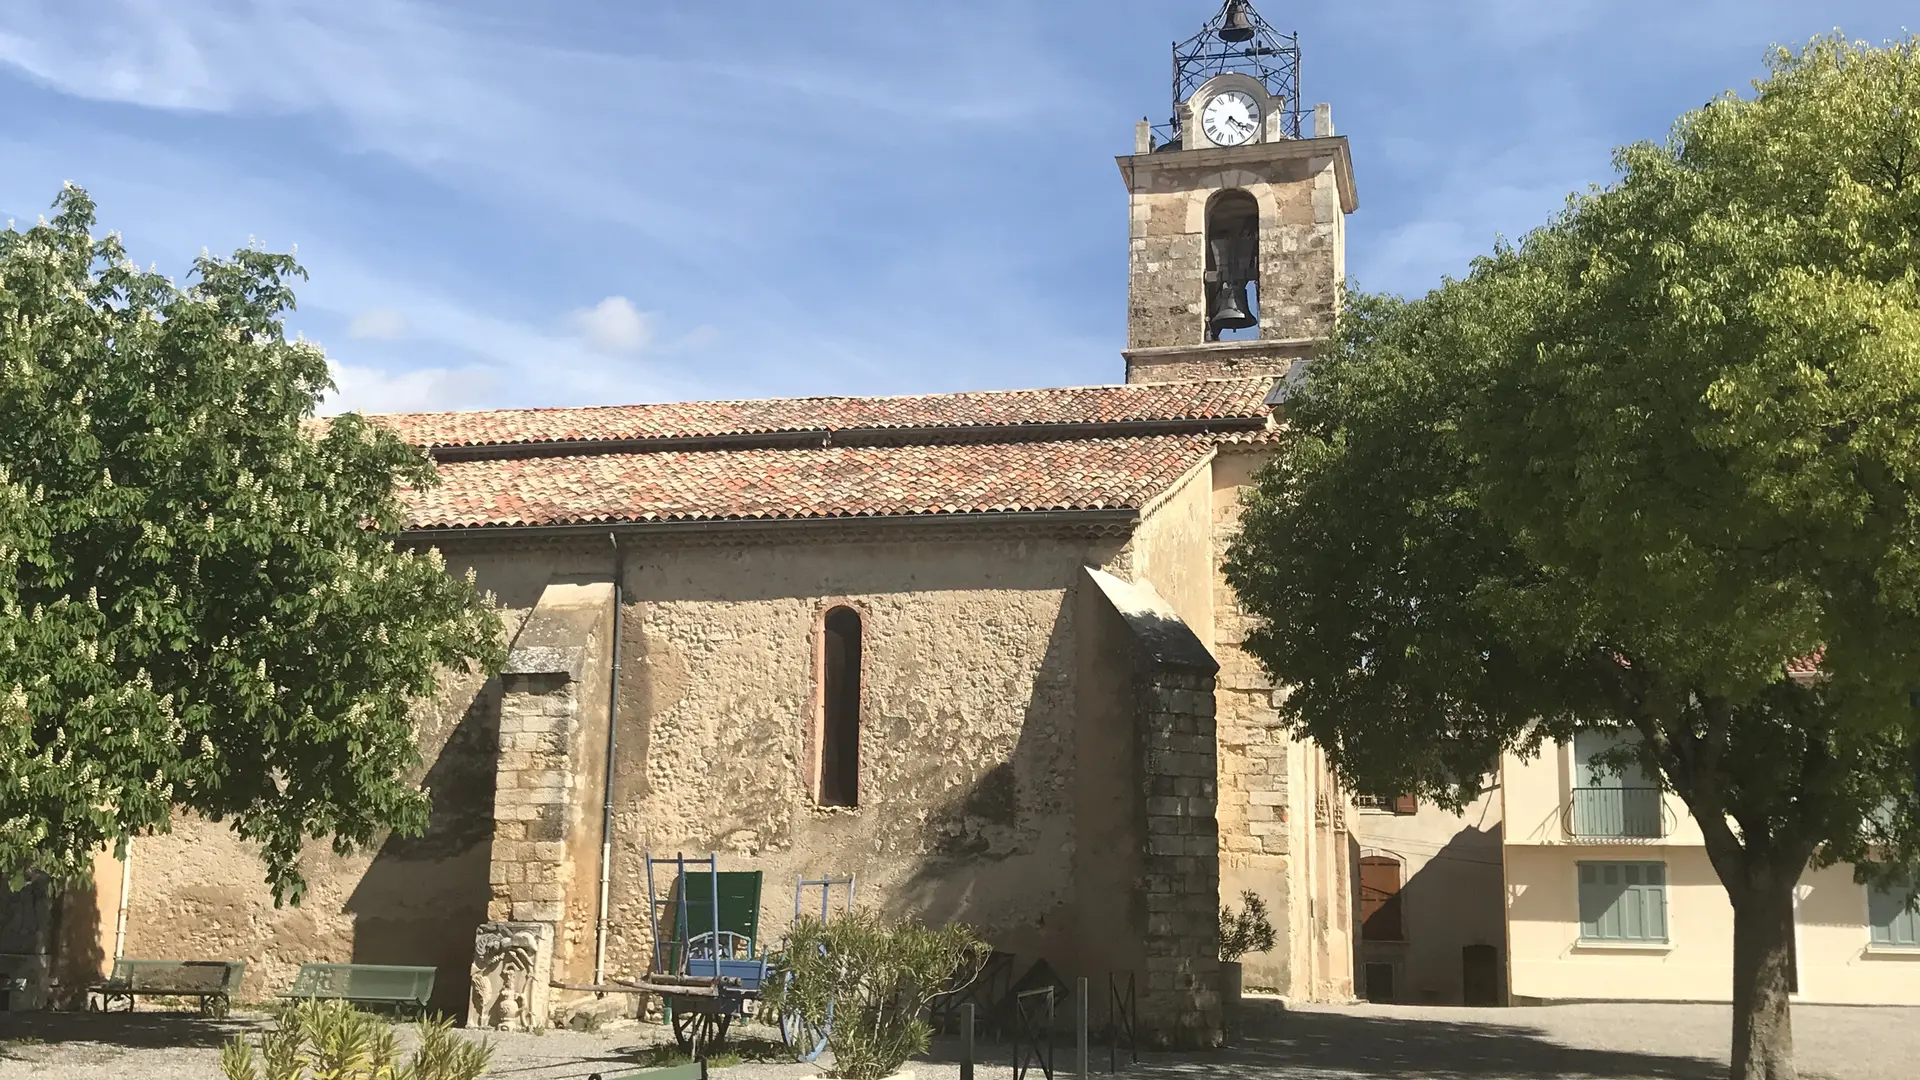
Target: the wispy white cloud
pixel 373 390
pixel 842 196
pixel 613 326
pixel 379 324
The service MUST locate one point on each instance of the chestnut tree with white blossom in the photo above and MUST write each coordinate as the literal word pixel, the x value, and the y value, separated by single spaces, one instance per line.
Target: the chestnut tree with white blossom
pixel 203 608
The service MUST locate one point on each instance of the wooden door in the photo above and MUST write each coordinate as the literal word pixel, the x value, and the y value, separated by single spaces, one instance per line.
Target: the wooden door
pixel 1480 974
pixel 1380 899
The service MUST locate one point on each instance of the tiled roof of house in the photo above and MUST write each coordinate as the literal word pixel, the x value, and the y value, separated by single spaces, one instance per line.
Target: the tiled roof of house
pixel 1241 399
pixel 1807 665
pixel 806 482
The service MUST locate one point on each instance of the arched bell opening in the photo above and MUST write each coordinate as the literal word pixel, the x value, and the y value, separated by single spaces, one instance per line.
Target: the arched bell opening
pixel 1233 267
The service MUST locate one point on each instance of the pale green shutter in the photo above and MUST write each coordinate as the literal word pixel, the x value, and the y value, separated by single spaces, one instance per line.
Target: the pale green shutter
pixel 1622 901
pixel 1892 922
pixel 1591 907
pixel 1653 892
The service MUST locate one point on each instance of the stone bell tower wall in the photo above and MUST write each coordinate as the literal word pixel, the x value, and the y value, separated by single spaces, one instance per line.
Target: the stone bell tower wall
pixel 1304 189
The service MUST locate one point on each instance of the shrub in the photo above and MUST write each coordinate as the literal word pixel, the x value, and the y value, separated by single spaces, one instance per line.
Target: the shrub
pixel 1245 931
pixel 878 977
pixel 330 1040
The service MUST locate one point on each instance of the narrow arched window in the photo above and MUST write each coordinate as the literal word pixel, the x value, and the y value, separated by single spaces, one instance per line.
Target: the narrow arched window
pixel 840 709
pixel 1233 266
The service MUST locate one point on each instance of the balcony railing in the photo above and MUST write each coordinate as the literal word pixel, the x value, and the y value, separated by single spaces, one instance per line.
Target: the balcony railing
pixel 1617 813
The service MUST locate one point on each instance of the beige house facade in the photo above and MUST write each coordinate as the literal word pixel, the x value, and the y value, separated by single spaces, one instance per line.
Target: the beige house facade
pixel 975 649
pixel 1431 920
pixel 1610 896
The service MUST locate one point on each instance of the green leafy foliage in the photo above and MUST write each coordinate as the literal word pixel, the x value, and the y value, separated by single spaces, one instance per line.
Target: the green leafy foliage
pixel 878 977
pixel 201 603
pixel 1629 474
pixel 1247 930
pixel 330 1040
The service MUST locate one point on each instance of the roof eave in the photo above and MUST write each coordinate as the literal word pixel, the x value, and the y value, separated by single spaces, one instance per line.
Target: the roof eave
pixel 1108 517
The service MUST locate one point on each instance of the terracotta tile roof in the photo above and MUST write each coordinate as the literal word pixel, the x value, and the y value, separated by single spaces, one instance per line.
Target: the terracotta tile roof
pixel 1807 665
pixel 1243 399
pixel 810 482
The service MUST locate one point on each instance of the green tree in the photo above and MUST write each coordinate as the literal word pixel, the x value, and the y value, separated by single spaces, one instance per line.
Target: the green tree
pixel 201 603
pixel 1623 475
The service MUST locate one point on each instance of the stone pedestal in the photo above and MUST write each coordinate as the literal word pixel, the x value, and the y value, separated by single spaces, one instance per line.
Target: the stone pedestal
pixel 512 967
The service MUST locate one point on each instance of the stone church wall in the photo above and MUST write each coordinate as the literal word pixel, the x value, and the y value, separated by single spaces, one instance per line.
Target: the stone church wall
pixel 1283 824
pixel 1173 550
pixel 1302 246
pixel 967 747
pixel 199 892
pixel 1000 761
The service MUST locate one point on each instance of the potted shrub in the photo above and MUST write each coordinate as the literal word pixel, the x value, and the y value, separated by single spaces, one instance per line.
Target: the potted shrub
pixel 331 1040
pixel 874 978
pixel 1241 932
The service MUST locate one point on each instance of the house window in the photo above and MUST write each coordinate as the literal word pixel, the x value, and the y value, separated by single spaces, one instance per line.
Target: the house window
pixel 1611 803
pixel 1380 899
pixel 1623 901
pixel 1388 804
pixel 840 709
pixel 1891 918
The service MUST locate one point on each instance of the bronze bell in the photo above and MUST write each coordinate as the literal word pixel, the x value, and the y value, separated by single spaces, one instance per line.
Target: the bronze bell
pixel 1231 312
pixel 1237 26
pixel 1233 271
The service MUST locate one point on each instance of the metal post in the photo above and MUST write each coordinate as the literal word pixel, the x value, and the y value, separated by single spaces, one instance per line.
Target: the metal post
pixel 713 869
pixel 1080 1027
pixel 966 1041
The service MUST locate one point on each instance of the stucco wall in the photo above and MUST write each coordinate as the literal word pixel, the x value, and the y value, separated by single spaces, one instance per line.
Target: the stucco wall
pixel 1836 964
pixel 1173 550
pixel 1535 793
pixel 1450 896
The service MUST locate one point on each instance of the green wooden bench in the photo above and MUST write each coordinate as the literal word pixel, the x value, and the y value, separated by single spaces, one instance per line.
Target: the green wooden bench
pixel 213 982
pixel 692 1070
pixel 406 989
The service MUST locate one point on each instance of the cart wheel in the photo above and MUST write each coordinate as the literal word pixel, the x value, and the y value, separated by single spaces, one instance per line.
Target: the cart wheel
pixel 806 1039
pixel 697 1033
pixel 803 1038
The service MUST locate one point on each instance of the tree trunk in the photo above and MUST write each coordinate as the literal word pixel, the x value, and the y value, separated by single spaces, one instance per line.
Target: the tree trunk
pixel 1762 962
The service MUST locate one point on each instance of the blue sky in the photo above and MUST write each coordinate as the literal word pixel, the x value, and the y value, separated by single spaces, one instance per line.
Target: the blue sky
pixel 572 202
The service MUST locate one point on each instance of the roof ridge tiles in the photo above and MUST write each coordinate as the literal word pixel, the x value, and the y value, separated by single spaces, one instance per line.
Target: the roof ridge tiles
pixel 1200 401
pixel 1005 390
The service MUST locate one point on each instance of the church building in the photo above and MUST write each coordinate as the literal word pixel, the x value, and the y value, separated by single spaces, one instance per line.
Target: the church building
pixel 975 648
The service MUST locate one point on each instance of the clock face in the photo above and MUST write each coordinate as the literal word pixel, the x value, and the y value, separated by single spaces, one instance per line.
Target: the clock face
pixel 1231 118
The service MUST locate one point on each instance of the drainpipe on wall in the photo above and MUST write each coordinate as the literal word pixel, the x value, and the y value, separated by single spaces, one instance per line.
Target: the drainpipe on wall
pixel 606 810
pixel 126 893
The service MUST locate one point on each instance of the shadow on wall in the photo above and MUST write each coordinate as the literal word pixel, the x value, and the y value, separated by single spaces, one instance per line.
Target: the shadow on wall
pixel 1314 1045
pixel 1044 852
pixel 79 948
pixel 423 897
pixel 1455 900
pixel 979 861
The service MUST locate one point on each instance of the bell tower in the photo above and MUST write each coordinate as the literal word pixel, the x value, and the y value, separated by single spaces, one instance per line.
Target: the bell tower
pixel 1237 239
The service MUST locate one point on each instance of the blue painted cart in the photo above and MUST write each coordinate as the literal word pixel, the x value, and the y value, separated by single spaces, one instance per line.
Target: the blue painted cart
pixel 707 964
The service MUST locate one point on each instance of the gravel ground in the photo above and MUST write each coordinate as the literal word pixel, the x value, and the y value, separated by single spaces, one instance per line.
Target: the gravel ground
pixel 1354 1042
